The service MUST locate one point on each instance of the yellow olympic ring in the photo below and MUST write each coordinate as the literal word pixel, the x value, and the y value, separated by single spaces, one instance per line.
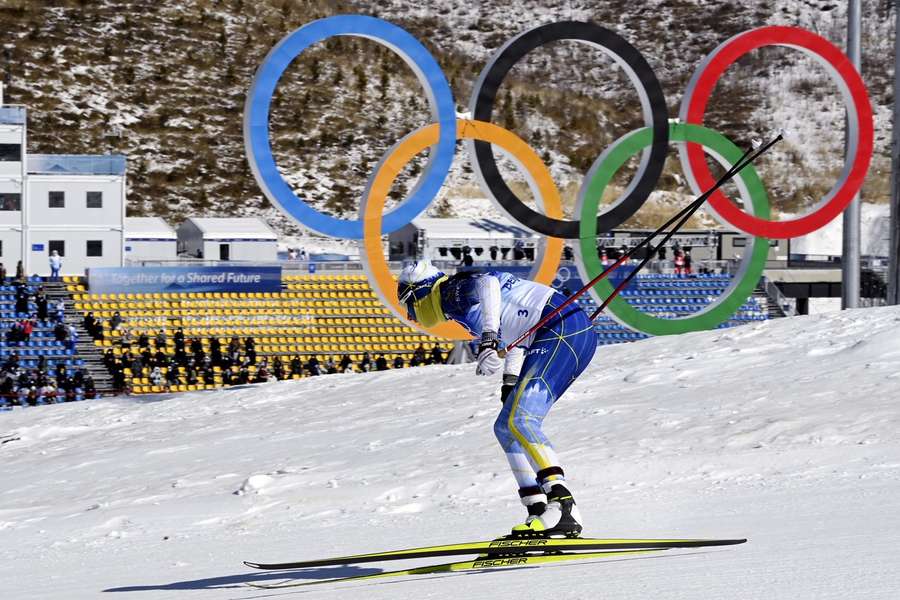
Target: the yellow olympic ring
pixel 383 282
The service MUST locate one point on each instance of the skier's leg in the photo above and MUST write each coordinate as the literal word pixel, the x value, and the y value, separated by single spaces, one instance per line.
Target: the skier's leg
pixel 558 354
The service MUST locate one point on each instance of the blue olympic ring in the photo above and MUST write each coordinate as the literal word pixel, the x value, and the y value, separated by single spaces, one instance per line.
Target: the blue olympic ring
pixel 259 99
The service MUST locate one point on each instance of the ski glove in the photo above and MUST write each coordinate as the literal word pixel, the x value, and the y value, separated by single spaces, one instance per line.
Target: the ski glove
pixel 489 362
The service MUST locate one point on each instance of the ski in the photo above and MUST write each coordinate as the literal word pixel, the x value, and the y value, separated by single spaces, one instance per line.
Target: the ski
pixel 503 546
pixel 479 564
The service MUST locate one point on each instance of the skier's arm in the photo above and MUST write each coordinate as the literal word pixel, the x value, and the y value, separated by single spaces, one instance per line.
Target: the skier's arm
pixel 487 290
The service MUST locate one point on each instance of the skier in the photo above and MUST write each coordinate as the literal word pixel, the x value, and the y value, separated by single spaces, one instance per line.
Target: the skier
pixel 497 308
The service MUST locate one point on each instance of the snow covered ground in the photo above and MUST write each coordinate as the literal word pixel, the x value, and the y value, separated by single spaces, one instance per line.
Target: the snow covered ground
pixel 786 432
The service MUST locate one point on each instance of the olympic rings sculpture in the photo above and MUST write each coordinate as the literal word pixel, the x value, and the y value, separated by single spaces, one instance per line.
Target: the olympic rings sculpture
pixel 652 141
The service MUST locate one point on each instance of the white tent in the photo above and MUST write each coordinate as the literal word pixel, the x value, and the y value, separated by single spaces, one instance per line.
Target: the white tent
pixel 228 239
pixel 149 238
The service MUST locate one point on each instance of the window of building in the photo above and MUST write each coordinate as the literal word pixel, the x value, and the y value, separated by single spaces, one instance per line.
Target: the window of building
pixel 739 242
pixel 11 152
pixel 10 201
pixel 58 245
pixel 95 248
pixel 57 199
pixel 95 199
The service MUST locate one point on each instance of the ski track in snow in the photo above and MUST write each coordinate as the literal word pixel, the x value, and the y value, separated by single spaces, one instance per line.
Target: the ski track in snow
pixel 786 432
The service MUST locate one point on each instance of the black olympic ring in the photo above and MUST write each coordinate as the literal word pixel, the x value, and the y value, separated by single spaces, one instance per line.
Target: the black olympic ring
pixel 652 101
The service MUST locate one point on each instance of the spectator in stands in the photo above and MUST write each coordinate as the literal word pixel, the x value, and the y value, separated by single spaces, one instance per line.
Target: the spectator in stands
pixel 196 345
pixel 181 357
pixel 144 341
pixel 47 393
pixel 156 377
pixel 191 375
pixel 27 330
pixel 437 357
pixel 161 358
pixel 398 361
pixel 72 339
pixel 215 352
pixel 292 254
pixel 59 310
pixel 43 312
pixel 687 262
pixel 346 364
pixel 330 365
pixel 381 363
pixel 365 364
pixel 22 296
pixel 312 365
pixel 137 366
pixel 109 357
pixel 89 388
pixel 179 338
pixel 567 253
pixel 20 271
pixel 251 356
pixel 171 376
pixel 125 339
pixel 209 377
pixel 278 369
pixel 662 253
pixel 227 377
pixel 419 356
pixel 55 265
pixel 679 262
pixel 94 327
pixel 115 321
pixel 262 375
pixel 234 346
pixel 60 372
pixel 161 340
pixel 2 274
pixel 243 376
pixel 60 332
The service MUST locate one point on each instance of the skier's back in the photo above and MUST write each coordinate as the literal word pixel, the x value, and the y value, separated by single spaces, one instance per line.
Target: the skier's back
pixel 498 307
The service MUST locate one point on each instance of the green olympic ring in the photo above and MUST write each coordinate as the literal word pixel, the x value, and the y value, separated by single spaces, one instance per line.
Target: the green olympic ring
pixel 752 264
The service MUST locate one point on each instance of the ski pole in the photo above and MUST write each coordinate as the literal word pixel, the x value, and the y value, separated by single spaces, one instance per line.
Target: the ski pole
pixel 692 209
pixel 684 214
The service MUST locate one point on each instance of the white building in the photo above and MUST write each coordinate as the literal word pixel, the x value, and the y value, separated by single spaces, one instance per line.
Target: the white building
pixel 72 204
pixel 484 240
pixel 229 239
pixel 149 238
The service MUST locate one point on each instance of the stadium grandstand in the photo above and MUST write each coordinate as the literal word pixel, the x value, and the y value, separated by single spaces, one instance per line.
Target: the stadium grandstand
pixel 146 343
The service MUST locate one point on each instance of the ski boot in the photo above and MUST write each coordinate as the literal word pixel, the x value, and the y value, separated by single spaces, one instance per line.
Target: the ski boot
pixel 559 517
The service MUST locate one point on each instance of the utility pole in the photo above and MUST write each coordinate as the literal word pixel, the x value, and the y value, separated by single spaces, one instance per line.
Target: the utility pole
pixel 893 276
pixel 850 276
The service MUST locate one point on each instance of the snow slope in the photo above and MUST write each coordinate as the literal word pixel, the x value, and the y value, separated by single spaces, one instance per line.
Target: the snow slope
pixel 784 432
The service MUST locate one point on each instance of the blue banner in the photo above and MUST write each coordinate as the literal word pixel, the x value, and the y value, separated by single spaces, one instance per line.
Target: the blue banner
pixel 153 280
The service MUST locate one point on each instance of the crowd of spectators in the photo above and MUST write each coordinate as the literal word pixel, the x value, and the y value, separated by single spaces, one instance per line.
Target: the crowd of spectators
pixel 189 363
pixel 313 366
pixel 46 380
pixel 237 362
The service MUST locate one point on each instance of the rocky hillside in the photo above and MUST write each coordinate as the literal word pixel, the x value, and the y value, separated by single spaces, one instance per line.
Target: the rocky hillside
pixel 164 82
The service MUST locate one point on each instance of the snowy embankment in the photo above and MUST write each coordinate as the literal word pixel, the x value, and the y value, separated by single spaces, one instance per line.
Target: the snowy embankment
pixel 786 432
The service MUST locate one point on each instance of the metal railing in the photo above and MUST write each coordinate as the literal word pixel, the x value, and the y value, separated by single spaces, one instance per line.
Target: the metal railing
pixel 787 306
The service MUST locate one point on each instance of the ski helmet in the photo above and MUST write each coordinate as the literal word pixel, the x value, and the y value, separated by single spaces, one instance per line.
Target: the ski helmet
pixel 414 285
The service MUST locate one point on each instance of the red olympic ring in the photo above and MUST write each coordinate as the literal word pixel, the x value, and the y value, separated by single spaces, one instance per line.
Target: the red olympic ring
pixel 859 123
